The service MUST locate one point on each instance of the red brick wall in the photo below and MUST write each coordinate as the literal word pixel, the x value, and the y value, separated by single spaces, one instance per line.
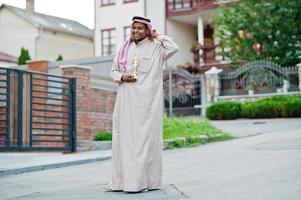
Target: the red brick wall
pixel 94 107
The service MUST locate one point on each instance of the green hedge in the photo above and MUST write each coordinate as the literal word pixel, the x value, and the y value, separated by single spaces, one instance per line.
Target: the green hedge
pixel 223 110
pixel 273 107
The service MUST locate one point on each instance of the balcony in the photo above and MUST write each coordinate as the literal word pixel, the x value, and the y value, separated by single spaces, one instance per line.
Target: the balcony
pixel 206 56
pixel 182 7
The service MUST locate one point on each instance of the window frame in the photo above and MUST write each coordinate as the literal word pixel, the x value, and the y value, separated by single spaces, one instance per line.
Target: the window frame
pixel 124 32
pixel 109 41
pixel 110 3
pixel 129 1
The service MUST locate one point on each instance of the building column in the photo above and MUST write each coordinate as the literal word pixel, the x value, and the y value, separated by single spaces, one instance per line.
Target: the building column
pixel 200 31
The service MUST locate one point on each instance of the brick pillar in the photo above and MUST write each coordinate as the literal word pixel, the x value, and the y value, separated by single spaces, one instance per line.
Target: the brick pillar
pixel 299 73
pixel 212 84
pixel 38 66
pixel 83 103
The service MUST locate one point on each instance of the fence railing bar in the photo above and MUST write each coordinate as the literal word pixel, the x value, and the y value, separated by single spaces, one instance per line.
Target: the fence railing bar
pixel 47 80
pixel 56 111
pixel 50 123
pixel 56 93
pixel 50 135
pixel 50 98
pixel 50 86
pixel 50 129
pixel 61 141
pixel 50 117
pixel 49 104
pixel 48 75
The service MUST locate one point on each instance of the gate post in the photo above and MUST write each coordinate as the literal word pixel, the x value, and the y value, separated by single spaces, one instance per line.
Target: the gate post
pixel 212 84
pixel 299 75
pixel 82 105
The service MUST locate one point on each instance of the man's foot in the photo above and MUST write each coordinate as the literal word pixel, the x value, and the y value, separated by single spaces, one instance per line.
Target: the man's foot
pixel 108 187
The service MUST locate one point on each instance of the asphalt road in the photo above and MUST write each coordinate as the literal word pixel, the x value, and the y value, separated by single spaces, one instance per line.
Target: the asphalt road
pixel 261 166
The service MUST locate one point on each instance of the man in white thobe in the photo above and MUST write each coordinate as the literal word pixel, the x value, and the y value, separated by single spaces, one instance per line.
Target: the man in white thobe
pixel 138 112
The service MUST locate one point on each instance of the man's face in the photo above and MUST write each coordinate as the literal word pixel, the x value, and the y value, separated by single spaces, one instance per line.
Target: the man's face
pixel 139 31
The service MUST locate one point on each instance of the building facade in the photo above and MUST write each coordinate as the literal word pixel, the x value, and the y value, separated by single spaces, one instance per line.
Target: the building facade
pixel 188 22
pixel 46 37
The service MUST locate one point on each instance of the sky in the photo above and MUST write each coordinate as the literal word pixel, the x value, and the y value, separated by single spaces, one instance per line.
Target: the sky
pixel 78 10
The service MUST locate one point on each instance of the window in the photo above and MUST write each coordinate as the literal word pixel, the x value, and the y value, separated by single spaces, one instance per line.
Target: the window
pixel 108 41
pixel 126 32
pixel 129 1
pixel 107 2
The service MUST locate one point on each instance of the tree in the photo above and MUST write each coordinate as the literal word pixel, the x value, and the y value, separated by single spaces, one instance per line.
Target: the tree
pixel 261 29
pixel 60 58
pixel 24 56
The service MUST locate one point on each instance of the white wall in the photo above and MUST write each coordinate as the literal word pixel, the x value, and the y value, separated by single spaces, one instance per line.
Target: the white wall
pixel 16 33
pixel 115 16
pixel 156 12
pixel 184 35
pixel 7 64
pixel 50 45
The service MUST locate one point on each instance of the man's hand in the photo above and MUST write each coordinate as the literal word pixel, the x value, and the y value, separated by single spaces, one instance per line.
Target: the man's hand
pixel 128 78
pixel 155 33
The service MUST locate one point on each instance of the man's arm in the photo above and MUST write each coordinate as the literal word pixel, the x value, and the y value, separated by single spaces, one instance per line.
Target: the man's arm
pixel 115 73
pixel 119 77
pixel 169 48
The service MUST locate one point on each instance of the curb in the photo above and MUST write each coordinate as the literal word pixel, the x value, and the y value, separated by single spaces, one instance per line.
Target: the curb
pixel 107 145
pixel 50 166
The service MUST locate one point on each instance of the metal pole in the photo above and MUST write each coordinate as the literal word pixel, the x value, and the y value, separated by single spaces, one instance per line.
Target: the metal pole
pixel 30 112
pixel 20 108
pixel 73 115
pixel 8 107
pixel 170 91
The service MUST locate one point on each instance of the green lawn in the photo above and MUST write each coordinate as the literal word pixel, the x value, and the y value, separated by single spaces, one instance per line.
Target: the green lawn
pixel 187 127
pixel 179 128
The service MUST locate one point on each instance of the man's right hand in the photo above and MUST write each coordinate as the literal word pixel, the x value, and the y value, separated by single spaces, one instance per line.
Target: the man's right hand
pixel 128 78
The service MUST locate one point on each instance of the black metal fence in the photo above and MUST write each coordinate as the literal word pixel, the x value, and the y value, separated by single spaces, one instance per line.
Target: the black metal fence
pixel 37 111
pixel 260 77
pixel 182 92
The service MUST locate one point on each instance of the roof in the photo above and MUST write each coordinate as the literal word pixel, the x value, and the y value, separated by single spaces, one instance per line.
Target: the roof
pixel 7 58
pixel 51 23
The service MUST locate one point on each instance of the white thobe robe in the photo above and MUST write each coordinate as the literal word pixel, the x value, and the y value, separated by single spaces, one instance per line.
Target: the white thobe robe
pixel 138 117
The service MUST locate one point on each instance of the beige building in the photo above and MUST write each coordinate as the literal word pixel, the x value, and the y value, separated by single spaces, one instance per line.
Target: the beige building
pixel 43 35
pixel 188 22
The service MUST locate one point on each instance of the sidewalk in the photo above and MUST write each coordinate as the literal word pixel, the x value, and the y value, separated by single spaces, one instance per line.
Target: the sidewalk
pixel 22 162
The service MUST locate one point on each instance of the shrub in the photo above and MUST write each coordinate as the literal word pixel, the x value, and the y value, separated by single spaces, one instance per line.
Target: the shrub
pixel 278 106
pixel 223 110
pixel 261 109
pixel 103 136
pixel 291 108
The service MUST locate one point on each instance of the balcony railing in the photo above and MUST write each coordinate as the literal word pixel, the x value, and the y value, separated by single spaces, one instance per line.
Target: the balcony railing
pixel 180 7
pixel 175 7
pixel 207 55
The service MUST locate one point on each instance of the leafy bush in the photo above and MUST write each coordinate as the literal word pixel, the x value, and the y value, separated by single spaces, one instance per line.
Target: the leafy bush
pixel 291 108
pixel 223 110
pixel 103 136
pixel 261 109
pixel 279 106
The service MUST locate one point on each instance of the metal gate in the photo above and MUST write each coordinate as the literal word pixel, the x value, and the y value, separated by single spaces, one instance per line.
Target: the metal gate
pixel 182 92
pixel 37 111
